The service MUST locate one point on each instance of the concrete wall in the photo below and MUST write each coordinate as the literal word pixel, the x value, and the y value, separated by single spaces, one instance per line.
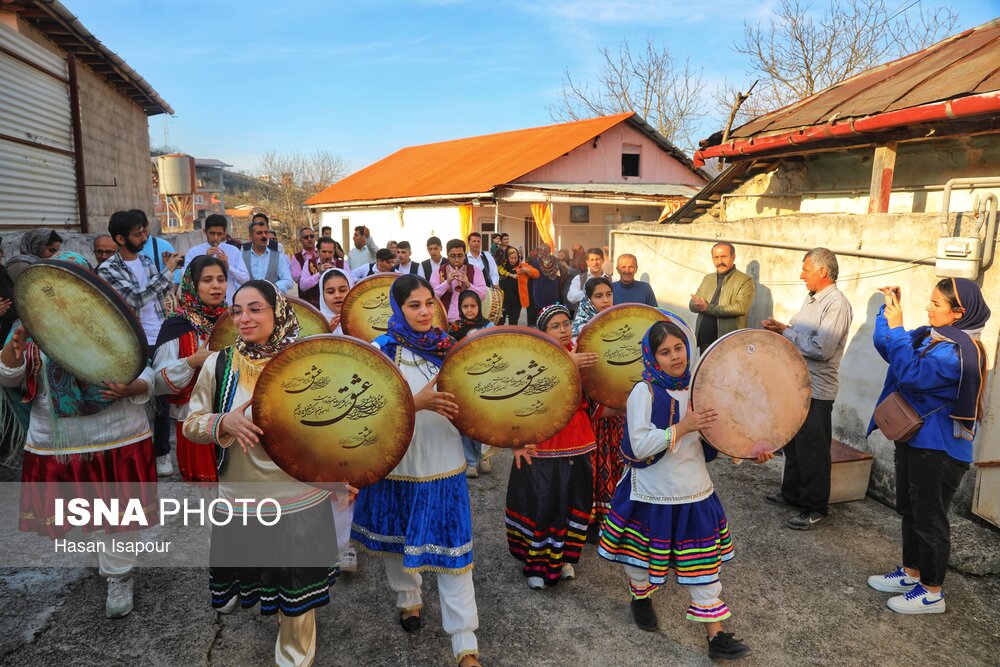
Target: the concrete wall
pixel 603 163
pixel 674 268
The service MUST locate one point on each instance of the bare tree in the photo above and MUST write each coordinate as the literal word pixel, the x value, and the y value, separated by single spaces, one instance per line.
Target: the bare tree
pixel 667 94
pixel 800 52
pixel 292 178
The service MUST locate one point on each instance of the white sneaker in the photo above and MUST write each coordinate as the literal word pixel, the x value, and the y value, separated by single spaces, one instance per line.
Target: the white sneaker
pixel 918 601
pixel 164 467
pixel 119 602
pixel 471 471
pixel 486 466
pixel 897 581
pixel 349 560
pixel 567 573
pixel 536 583
pixel 230 606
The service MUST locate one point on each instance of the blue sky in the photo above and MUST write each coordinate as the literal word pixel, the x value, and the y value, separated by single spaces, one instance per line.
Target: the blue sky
pixel 365 78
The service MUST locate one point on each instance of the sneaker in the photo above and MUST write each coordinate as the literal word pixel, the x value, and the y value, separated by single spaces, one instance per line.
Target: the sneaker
pixel 644 614
pixel 536 583
pixel 349 560
pixel 779 499
pixel 725 646
pixel 230 606
pixel 567 573
pixel 119 602
pixel 164 467
pixel 897 581
pixel 471 471
pixel 808 520
pixel 918 601
pixel 485 466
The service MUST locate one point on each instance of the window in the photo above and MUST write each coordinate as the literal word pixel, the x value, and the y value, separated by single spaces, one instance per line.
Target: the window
pixel 630 160
pixel 579 214
pixel 199 199
pixel 487 225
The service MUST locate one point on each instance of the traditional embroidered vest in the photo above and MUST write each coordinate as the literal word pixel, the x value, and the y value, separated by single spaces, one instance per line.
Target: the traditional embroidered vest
pixel 312 267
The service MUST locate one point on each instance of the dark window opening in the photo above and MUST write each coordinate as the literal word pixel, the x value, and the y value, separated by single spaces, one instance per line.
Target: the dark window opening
pixel 630 164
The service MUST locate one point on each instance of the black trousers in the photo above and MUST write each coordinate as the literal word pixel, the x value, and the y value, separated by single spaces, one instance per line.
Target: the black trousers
pixel 161 421
pixel 806 482
pixel 926 480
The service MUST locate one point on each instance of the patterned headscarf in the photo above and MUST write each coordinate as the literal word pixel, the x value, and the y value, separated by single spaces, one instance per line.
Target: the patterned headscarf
pixel 35 241
pixel 584 314
pixel 432 344
pixel 191 307
pixel 461 327
pixel 548 312
pixel 285 332
pixel 656 375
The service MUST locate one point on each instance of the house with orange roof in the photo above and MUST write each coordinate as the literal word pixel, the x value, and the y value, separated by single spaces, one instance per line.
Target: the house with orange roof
pixel 562 184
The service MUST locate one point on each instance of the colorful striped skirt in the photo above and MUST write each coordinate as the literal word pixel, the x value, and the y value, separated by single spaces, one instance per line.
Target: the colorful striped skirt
pixel 548 511
pixel 608 463
pixel 691 539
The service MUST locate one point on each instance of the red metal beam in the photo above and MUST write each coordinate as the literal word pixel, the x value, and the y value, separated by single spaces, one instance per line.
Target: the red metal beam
pixel 81 177
pixel 961 107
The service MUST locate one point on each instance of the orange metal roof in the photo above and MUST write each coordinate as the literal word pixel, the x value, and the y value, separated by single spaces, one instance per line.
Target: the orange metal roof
pixel 465 166
pixel 964 64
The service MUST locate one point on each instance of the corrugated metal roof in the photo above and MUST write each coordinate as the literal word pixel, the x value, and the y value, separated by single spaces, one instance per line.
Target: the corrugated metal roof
pixel 641 189
pixel 476 164
pixel 965 64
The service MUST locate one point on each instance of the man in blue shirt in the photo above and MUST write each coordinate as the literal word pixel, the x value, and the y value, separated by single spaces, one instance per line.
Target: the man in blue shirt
pixel 629 290
pixel 263 263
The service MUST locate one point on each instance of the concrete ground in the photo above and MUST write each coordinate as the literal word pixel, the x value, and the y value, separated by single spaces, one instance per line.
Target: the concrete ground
pixel 798 599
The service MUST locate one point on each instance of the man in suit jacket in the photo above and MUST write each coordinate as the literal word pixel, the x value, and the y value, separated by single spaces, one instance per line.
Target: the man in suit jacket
pixel 723 299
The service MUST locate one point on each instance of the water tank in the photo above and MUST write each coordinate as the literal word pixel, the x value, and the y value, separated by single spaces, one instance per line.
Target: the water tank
pixel 176 174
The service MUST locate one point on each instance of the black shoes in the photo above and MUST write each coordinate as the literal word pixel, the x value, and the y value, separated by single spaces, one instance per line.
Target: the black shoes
pixel 725 646
pixel 808 520
pixel 644 614
pixel 411 624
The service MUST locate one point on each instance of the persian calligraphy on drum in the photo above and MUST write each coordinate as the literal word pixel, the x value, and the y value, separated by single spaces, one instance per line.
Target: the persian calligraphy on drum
pixel 311 323
pixel 759 383
pixel 80 322
pixel 366 310
pixel 334 409
pixel 514 386
pixel 615 335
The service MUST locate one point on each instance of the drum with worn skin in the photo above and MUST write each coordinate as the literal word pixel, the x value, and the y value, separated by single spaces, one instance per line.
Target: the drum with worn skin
pixel 311 323
pixel 759 383
pixel 334 409
pixel 366 310
pixel 493 305
pixel 514 386
pixel 615 335
pixel 80 322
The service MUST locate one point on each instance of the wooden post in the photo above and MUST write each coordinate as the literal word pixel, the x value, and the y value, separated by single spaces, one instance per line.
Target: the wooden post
pixel 882 170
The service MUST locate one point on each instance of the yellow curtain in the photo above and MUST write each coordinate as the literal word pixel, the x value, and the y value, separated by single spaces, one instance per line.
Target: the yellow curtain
pixel 465 220
pixel 543 221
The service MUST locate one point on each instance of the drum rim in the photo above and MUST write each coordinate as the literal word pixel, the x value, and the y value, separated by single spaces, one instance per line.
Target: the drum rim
pixel 506 329
pixel 105 290
pixel 585 373
pixel 704 355
pixel 380 277
pixel 408 408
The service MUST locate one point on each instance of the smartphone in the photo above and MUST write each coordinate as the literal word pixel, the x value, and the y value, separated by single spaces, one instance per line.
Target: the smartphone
pixel 180 263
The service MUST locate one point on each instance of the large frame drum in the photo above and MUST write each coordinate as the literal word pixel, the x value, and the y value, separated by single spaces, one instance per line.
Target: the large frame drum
pixel 366 310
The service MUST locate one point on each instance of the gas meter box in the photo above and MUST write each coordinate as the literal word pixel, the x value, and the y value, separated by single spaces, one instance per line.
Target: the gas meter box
pixel 958 257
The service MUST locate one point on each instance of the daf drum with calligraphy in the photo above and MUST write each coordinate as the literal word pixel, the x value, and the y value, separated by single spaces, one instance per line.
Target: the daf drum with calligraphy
pixel 615 335
pixel 334 409
pixel 311 323
pixel 759 383
pixel 80 322
pixel 514 386
pixel 366 310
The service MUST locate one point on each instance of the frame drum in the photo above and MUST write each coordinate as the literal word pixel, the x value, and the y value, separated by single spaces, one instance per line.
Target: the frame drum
pixel 759 383
pixel 334 409
pixel 311 323
pixel 616 335
pixel 80 322
pixel 493 305
pixel 366 310
pixel 514 386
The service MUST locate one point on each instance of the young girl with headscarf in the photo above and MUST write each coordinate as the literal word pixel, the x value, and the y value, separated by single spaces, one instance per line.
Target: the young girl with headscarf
pixel 334 285
pixel 470 311
pixel 94 441
pixel 939 370
pixel 181 351
pixel 248 561
pixel 419 517
pixel 665 514
pixel 550 493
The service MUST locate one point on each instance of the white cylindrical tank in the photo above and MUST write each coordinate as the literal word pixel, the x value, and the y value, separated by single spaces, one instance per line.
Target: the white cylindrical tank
pixel 176 174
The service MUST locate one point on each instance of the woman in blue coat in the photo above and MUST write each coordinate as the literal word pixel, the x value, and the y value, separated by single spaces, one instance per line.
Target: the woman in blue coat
pixel 939 370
